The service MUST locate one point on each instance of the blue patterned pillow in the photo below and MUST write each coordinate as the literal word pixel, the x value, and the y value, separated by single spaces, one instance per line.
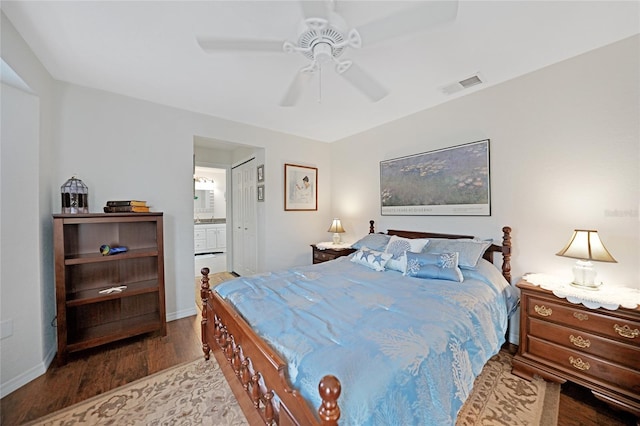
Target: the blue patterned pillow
pixel 373 259
pixel 373 241
pixel 398 246
pixel 443 266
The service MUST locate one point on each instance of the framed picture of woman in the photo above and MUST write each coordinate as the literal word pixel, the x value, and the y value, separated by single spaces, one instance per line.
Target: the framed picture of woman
pixel 300 187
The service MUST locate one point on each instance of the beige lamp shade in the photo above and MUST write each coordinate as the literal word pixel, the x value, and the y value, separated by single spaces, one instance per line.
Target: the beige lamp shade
pixel 586 245
pixel 337 229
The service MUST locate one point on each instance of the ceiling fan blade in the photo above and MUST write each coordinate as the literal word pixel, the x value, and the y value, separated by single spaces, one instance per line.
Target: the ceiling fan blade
pixel 222 44
pixel 424 16
pixel 362 81
pixel 315 8
pixel 297 86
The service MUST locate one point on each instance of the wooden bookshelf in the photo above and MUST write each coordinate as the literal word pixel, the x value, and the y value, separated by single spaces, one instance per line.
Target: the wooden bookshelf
pixel 87 318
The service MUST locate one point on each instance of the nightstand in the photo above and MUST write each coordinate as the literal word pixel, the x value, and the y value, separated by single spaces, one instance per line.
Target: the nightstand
pixel 324 255
pixel 596 348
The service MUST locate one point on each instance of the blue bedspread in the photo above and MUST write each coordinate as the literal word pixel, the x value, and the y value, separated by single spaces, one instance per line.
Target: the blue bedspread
pixel 406 350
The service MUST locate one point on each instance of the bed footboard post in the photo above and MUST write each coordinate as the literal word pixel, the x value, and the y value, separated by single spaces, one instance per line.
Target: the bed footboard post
pixel 204 295
pixel 506 253
pixel 329 411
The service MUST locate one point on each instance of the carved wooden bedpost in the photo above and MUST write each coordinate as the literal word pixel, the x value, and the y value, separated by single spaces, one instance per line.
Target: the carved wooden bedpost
pixel 506 253
pixel 204 295
pixel 371 227
pixel 329 411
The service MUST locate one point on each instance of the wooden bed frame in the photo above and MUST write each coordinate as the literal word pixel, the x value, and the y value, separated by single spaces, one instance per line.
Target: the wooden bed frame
pixel 258 376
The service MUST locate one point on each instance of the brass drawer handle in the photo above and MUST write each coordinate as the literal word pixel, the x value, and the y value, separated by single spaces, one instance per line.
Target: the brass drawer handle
pixel 579 363
pixel 626 331
pixel 543 310
pixel 579 341
pixel 580 316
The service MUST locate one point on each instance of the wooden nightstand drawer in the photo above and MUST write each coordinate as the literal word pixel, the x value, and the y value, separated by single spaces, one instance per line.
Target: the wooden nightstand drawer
pixel 325 255
pixel 596 348
pixel 578 363
pixel 588 343
pixel 614 325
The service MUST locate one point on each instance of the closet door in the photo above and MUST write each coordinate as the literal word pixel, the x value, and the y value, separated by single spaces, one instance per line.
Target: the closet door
pixel 245 255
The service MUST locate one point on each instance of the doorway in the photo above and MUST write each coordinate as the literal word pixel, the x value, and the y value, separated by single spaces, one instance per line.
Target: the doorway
pixel 215 153
pixel 210 219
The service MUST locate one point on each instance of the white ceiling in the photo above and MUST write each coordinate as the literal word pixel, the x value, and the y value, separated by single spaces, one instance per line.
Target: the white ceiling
pixel 148 50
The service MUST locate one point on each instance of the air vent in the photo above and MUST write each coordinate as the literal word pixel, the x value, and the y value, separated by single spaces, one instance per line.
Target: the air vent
pixel 466 83
pixel 471 81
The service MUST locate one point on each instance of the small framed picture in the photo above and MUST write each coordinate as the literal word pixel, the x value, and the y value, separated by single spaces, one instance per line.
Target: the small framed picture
pixel 300 187
pixel 260 192
pixel 261 173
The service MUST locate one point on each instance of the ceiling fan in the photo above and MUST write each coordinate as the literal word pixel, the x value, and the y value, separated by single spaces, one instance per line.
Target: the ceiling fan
pixel 323 37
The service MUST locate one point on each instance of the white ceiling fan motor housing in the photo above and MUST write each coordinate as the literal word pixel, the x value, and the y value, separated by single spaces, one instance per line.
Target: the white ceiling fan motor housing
pixel 326 41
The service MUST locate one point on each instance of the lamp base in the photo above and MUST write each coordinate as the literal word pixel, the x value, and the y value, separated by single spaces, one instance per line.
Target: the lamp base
pixel 587 287
pixel 584 275
pixel 336 238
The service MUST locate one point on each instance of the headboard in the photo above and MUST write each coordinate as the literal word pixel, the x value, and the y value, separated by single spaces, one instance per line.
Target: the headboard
pixel 504 249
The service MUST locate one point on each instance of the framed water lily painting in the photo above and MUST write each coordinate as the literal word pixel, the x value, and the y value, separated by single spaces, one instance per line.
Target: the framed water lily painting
pixel 452 181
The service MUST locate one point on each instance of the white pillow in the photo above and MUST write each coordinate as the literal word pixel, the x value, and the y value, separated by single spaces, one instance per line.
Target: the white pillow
pixel 398 246
pixel 373 259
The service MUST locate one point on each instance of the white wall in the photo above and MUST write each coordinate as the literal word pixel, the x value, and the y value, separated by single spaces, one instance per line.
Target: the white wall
pixel 28 294
pixel 565 154
pixel 125 148
pixel 19 277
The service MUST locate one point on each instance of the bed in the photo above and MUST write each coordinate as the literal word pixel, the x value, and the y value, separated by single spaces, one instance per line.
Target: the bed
pixel 406 340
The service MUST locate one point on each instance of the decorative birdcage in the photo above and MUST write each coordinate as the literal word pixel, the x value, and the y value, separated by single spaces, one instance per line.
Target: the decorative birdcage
pixel 75 196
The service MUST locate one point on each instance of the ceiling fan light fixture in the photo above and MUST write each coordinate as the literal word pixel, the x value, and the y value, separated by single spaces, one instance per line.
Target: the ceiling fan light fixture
pixel 323 53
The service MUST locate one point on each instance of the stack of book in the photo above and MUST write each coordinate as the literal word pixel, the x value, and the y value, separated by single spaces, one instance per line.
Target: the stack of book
pixel 126 206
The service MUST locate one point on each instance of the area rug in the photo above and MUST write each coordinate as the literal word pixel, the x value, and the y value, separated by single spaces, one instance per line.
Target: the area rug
pixel 500 398
pixel 196 393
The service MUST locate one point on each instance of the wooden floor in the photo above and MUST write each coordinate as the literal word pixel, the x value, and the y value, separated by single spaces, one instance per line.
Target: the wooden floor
pixel 98 370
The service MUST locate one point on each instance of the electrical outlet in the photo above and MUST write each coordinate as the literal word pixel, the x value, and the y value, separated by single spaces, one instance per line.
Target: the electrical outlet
pixel 6 328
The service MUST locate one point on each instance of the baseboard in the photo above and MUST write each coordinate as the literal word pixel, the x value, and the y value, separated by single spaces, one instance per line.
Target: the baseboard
pixel 29 375
pixel 172 316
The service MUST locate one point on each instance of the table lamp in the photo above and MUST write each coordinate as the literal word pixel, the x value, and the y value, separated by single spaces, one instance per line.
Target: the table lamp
pixel 337 229
pixel 585 245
